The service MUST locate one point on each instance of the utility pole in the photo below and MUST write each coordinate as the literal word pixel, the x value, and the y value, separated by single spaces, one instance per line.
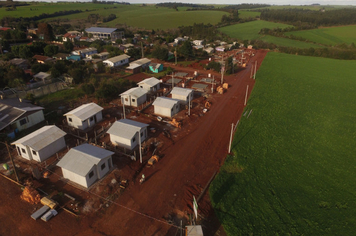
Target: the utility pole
pixel 142 50
pixel 12 162
pixel 232 129
pixel 246 95
pixel 139 142
pixel 254 77
pixel 222 70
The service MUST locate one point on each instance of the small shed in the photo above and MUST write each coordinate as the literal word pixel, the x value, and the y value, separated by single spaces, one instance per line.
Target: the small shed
pixel 84 116
pixel 136 66
pixel 156 67
pixel 41 144
pixel 182 94
pixel 134 97
pixel 117 61
pixel 150 84
pixel 86 164
pixel 125 133
pixel 164 106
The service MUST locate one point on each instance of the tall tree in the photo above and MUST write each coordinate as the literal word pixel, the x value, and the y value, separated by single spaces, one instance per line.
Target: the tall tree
pixel 46 30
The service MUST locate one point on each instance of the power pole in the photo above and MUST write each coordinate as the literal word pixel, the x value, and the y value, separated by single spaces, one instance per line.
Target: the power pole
pixel 139 142
pixel 232 129
pixel 142 50
pixel 254 77
pixel 12 162
pixel 222 70
pixel 246 95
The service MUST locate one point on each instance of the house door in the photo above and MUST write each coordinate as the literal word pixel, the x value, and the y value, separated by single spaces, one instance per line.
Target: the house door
pixel 95 119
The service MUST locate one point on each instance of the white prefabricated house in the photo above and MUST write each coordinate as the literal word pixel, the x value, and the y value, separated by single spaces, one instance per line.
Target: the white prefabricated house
pixel 127 133
pixel 17 115
pixel 41 144
pixel 86 164
pixel 134 97
pixel 164 106
pixel 182 94
pixel 117 61
pixel 150 84
pixel 84 116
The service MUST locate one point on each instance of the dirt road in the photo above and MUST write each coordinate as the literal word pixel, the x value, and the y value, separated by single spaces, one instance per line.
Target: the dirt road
pixel 166 196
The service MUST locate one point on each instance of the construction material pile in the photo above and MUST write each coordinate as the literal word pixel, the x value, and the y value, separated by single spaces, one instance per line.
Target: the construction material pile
pixel 30 195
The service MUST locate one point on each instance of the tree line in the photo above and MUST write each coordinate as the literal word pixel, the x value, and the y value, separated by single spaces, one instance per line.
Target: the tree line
pixel 179 4
pixel 246 6
pixel 311 18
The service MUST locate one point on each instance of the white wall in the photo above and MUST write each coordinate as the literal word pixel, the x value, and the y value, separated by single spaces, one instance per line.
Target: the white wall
pixel 26 155
pixel 162 111
pixel 127 143
pixel 103 172
pixel 183 98
pixel 32 119
pixel 76 122
pixel 76 178
pixel 49 150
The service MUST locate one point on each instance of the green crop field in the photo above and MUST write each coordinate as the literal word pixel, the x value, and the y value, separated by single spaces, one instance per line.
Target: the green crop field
pixel 248 14
pixel 329 36
pixel 293 168
pixel 149 16
pixel 250 30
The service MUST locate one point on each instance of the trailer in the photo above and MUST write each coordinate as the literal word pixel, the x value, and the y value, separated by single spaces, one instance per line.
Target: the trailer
pixel 40 212
pixel 46 217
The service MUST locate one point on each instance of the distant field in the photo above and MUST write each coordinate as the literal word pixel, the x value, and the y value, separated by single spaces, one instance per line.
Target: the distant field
pixel 135 15
pixel 249 31
pixel 293 168
pixel 247 14
pixel 329 36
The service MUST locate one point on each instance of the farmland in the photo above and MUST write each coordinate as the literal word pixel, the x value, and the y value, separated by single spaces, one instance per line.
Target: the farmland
pixel 292 168
pixel 250 30
pixel 148 17
pixel 329 36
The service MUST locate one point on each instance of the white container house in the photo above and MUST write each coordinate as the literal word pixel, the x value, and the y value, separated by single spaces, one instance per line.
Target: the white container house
pixel 134 97
pixel 164 106
pixel 84 116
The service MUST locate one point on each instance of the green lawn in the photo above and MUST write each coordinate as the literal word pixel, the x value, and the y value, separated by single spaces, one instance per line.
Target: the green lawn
pixel 250 30
pixel 329 36
pixel 293 168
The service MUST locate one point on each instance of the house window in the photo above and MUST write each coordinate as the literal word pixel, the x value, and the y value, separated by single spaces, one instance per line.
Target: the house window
pixel 92 118
pixel 91 174
pixel 133 100
pixel 34 152
pixel 70 119
pixel 23 150
pixel 103 166
pixel 172 109
pixel 141 134
pixel 23 121
pixel 133 139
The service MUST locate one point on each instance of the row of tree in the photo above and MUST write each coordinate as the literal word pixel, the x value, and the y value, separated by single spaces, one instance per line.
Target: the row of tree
pixel 312 18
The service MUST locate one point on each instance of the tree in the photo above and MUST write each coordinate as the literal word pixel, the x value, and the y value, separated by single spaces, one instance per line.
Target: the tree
pixel 50 50
pixel 107 92
pixel 186 50
pixel 39 67
pixel 45 30
pixel 88 88
pixel 134 53
pixel 77 74
pixel 68 46
pixel 160 53
pixel 25 51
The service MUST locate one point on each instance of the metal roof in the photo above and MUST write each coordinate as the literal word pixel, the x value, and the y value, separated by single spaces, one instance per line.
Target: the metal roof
pixel 150 81
pixel 11 109
pixel 100 30
pixel 207 80
pixel 165 102
pixel 181 91
pixel 136 92
pixel 175 81
pixel 199 87
pixel 141 61
pixel 85 111
pixel 82 158
pixel 181 74
pixel 118 58
pixel 41 138
pixel 126 128
pixel 41 75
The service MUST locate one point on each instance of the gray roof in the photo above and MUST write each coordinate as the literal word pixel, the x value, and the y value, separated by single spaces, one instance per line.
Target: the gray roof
pixel 42 75
pixel 181 74
pixel 165 102
pixel 136 92
pixel 141 61
pixel 126 128
pixel 118 58
pixel 207 80
pixel 150 81
pixel 41 138
pixel 175 81
pixel 85 50
pixel 82 158
pixel 11 109
pixel 100 30
pixel 85 111
pixel 199 87
pixel 181 91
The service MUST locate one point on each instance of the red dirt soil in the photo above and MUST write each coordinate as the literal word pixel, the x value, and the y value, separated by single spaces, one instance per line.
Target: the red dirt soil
pixel 165 198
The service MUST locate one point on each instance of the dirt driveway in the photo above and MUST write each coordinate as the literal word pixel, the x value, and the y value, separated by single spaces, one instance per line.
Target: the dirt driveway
pixel 157 206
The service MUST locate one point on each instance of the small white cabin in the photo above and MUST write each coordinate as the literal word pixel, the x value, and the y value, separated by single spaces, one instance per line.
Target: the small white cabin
pixel 134 97
pixel 84 116
pixel 150 84
pixel 86 164
pixel 164 106
pixel 125 133
pixel 41 144
pixel 182 94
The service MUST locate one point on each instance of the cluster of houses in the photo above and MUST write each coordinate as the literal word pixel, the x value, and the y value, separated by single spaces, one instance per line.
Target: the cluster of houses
pixel 87 163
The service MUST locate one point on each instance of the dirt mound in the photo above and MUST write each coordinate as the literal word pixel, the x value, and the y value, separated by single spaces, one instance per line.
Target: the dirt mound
pixel 30 195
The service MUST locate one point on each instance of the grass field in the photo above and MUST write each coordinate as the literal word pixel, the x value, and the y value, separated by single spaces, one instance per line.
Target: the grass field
pixel 249 31
pixel 135 15
pixel 329 36
pixel 293 168
pixel 247 14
